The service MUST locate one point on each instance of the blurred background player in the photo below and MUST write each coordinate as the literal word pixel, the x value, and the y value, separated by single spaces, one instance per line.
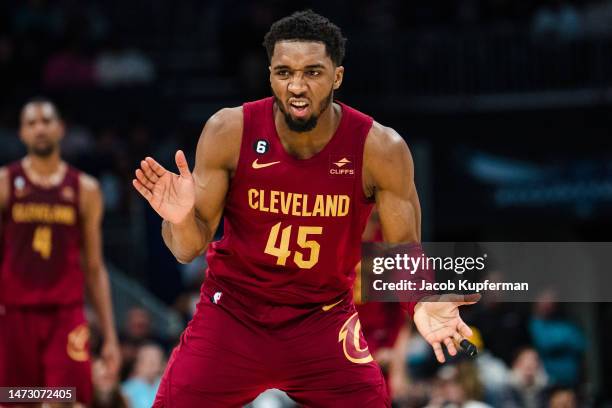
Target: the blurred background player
pixel 51 250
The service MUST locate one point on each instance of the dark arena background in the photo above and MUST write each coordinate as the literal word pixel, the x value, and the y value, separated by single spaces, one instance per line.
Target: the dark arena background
pixel 506 107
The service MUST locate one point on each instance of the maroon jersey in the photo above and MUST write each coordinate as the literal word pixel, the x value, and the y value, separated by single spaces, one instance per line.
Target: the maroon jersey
pixel 292 227
pixel 41 235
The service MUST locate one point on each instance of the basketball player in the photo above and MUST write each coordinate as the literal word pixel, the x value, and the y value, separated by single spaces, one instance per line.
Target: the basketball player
pixel 295 177
pixel 51 249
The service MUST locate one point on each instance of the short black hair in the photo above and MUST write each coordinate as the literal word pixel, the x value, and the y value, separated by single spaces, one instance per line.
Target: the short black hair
pixel 307 26
pixel 41 100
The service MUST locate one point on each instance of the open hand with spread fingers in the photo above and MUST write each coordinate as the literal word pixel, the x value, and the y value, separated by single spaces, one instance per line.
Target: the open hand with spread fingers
pixel 171 195
pixel 439 322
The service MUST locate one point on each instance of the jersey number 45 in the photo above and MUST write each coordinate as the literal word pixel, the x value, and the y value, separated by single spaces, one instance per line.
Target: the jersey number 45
pixel 282 252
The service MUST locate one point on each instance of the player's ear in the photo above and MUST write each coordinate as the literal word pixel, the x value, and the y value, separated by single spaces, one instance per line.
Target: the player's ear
pixel 338 76
pixel 62 129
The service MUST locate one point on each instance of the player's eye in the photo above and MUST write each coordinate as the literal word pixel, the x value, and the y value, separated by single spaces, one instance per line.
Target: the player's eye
pixel 314 73
pixel 282 73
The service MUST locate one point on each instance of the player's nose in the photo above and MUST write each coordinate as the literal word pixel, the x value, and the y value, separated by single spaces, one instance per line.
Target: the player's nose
pixel 297 85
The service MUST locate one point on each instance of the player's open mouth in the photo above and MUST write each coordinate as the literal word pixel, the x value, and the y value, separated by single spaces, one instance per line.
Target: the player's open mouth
pixel 299 108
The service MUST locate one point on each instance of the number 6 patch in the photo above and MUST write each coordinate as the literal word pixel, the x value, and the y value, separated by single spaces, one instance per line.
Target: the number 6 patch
pixel 261 146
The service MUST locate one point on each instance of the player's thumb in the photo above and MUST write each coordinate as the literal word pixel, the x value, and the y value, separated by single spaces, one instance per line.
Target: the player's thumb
pixel 181 163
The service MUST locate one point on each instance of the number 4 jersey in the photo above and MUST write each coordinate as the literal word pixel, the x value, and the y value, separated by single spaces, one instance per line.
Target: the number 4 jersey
pixel 292 227
pixel 41 234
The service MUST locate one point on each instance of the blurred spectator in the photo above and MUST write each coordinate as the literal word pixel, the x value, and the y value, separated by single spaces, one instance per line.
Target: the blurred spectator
pixel 503 325
pixel 457 386
pixel 141 387
pixel 192 275
pixel 137 331
pixel 527 381
pixel 118 65
pixel 106 388
pixel 492 371
pixel 558 341
pixel 138 325
pixel 562 398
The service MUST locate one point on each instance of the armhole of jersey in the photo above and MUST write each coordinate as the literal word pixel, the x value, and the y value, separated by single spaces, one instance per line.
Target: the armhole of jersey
pixel 364 199
pixel 13 171
pixel 242 153
pixel 77 189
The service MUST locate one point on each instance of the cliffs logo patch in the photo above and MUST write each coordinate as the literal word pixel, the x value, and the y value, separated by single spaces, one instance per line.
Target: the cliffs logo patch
pixel 341 166
pixel 354 345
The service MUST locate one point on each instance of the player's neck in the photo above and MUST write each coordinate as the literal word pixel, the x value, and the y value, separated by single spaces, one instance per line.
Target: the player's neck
pixel 43 166
pixel 306 144
pixel 44 171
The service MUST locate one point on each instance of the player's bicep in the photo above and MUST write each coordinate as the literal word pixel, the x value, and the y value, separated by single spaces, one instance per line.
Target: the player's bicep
pixel 211 188
pixel 92 209
pixel 397 201
pixel 216 155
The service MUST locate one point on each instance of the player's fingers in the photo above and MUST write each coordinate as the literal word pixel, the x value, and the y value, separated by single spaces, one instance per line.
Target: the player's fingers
pixel 181 163
pixel 145 192
pixel 464 329
pixel 148 171
pixel 155 166
pixel 439 334
pixel 437 348
pixel 450 346
pixel 140 176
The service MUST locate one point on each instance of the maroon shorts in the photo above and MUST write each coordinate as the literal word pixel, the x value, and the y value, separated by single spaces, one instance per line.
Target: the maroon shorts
pixel 234 349
pixel 45 347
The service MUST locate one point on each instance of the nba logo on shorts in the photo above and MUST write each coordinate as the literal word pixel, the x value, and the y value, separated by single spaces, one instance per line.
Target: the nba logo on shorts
pixel 216 297
pixel 340 165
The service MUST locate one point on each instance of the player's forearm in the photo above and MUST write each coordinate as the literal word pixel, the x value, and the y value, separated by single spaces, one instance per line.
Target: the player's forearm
pixel 98 288
pixel 186 240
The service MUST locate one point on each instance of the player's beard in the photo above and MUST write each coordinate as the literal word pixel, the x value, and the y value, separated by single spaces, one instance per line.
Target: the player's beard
pixel 43 151
pixel 306 125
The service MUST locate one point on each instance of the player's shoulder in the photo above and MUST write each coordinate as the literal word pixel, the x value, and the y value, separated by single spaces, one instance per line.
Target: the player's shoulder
pixel 225 122
pixel 219 144
pixel 88 183
pixel 383 141
pixel 4 185
pixel 4 173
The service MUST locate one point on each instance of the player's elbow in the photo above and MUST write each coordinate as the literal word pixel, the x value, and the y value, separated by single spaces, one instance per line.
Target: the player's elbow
pixel 188 257
pixel 183 260
pixel 92 271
